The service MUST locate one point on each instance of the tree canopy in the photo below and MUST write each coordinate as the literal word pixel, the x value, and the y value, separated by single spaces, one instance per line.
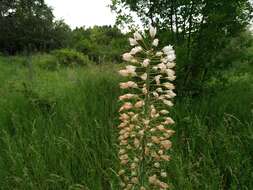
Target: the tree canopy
pixel 199 29
pixel 29 25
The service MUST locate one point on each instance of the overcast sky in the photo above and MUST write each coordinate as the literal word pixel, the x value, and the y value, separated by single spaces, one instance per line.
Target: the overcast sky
pixel 83 12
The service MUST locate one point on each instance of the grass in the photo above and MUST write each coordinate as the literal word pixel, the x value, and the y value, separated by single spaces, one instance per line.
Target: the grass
pixel 57 131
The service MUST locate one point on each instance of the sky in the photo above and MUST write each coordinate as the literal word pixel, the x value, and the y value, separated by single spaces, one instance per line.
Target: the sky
pixel 83 12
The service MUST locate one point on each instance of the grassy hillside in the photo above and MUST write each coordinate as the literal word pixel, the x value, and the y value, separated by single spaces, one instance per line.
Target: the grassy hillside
pixel 57 131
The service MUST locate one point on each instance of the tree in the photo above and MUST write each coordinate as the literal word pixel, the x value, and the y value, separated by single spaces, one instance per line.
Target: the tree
pixel 100 43
pixel 199 29
pixel 27 25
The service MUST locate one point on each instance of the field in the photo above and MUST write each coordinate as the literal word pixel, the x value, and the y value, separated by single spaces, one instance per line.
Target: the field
pixel 58 131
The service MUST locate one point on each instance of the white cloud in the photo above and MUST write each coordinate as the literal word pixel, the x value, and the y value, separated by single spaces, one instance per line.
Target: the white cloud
pixel 83 12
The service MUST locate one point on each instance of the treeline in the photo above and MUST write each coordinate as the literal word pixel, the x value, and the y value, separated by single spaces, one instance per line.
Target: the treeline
pixel 28 26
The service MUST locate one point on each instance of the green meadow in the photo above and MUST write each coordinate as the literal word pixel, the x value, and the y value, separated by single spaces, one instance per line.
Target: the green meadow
pixel 58 130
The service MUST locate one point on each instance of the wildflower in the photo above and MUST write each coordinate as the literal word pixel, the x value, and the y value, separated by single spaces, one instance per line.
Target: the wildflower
pixel 162 66
pixel 133 42
pixel 164 112
pixel 153 180
pixel 159 90
pixel 144 133
pixel 129 84
pixel 131 68
pixel 157 79
pixel 171 57
pixel 155 68
pixel 139 104
pixel 159 54
pixel 166 144
pixel 169 86
pixel 137 36
pixel 170 65
pixel 163 174
pixel 127 96
pixel 155 42
pixel 152 31
pixel 121 172
pixel 157 165
pixel 144 90
pixel 136 50
pixel 145 62
pixel 167 49
pixel 127 57
pixel 126 106
pixel 170 72
pixel 144 76
pixel 169 121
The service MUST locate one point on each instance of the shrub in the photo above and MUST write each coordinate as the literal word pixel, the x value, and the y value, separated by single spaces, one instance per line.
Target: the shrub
pixel 70 57
pixel 46 61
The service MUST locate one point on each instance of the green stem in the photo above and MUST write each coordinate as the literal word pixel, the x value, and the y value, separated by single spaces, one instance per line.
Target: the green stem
pixel 146 113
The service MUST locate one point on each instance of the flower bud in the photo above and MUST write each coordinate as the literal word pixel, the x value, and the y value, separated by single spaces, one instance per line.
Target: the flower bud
pixel 152 31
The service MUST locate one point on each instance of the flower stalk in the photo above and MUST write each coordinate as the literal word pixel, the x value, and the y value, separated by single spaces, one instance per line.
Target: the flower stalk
pixel 145 128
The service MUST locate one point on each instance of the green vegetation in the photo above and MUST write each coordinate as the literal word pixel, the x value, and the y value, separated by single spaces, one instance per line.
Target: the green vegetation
pixel 57 130
pixel 59 90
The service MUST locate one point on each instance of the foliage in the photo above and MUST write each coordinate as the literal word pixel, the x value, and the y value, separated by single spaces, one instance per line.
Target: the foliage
pixel 200 30
pixel 72 147
pixel 100 43
pixel 70 57
pixel 27 25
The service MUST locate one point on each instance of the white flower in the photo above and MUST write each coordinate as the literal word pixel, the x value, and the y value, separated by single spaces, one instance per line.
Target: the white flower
pixel 163 174
pixel 168 121
pixel 155 94
pixel 159 54
pixel 155 42
pixel 145 62
pixel 171 57
pixel 139 104
pixel 131 68
pixel 129 71
pixel 170 72
pixel 168 85
pixel 170 65
pixel 144 76
pixel 157 79
pixel 171 78
pixel 162 66
pixel 129 84
pixel 166 144
pixel 137 36
pixel 133 42
pixel 155 68
pixel 126 106
pixel 157 165
pixel 144 90
pixel 168 103
pixel 159 90
pixel 124 73
pixel 152 31
pixel 136 50
pixel 167 49
pixel 127 57
pixel 152 180
pixel 127 96
pixel 164 112
pixel 170 93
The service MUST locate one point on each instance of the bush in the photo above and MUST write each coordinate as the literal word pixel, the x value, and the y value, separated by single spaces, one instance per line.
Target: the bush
pixel 70 57
pixel 46 61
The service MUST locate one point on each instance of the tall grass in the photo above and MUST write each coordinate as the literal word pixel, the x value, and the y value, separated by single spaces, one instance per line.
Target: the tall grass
pixel 57 132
